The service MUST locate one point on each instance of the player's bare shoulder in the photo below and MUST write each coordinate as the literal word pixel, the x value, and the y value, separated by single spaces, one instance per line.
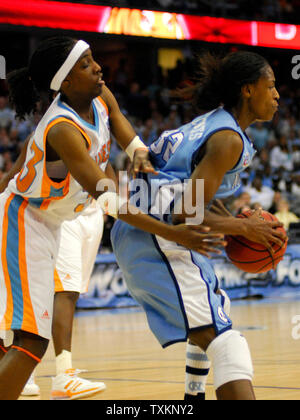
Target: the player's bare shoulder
pixel 224 143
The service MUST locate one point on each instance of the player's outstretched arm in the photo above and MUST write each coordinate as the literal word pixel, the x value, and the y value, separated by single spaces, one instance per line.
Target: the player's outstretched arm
pixel 70 146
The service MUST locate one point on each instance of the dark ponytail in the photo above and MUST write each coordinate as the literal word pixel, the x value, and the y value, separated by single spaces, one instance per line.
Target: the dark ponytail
pixel 221 79
pixel 208 90
pixel 29 84
pixel 23 95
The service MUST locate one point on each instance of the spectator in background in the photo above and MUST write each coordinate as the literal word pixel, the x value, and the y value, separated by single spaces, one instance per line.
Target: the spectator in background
pixel 173 120
pixel 276 198
pixel 264 172
pixel 137 102
pixel 289 187
pixel 260 193
pixel 259 135
pixel 270 9
pixel 121 77
pixel 296 155
pixel 284 215
pixel 7 115
pixel 241 203
pixel 148 132
pixel 296 185
pixel 7 161
pixel 4 138
pixel 23 128
pixel 280 156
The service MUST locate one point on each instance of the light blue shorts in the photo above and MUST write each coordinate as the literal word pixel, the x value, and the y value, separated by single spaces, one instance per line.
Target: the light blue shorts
pixel 175 286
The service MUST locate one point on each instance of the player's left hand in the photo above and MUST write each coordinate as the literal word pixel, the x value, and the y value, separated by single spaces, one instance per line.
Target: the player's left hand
pixel 141 163
pixel 218 207
pixel 199 239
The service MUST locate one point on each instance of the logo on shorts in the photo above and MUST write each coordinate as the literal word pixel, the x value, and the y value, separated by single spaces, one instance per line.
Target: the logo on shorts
pixel 45 315
pixel 222 315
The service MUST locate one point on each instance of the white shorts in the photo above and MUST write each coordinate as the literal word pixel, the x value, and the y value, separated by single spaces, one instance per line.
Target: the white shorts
pixel 29 244
pixel 79 244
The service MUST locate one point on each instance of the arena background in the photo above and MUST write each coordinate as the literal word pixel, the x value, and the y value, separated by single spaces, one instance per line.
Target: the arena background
pixel 146 52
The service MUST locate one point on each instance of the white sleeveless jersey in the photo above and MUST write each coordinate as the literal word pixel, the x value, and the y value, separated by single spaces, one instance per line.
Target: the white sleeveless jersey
pixel 63 200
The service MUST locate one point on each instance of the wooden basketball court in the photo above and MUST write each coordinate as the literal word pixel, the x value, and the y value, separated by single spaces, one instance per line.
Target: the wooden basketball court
pixel 116 347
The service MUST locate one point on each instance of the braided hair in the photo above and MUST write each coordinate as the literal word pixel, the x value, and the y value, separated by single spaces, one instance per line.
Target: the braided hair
pixel 27 85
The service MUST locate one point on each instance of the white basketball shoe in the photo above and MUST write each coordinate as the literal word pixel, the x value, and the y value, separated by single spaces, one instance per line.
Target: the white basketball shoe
pixel 68 386
pixel 31 389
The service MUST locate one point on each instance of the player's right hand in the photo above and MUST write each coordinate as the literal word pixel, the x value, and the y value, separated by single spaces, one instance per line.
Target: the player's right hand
pixel 141 163
pixel 263 232
pixel 198 238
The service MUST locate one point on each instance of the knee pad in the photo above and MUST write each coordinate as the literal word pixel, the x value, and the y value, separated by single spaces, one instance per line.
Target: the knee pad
pixel 230 357
pixel 227 304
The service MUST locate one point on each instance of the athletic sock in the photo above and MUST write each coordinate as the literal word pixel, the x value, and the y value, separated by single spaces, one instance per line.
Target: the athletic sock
pixel 63 362
pixel 197 369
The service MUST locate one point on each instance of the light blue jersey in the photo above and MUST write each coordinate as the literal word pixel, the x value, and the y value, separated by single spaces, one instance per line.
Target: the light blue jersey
pixel 176 287
pixel 175 153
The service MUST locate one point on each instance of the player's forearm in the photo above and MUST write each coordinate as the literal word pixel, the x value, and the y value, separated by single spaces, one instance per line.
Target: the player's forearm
pixel 122 130
pixel 228 225
pixel 140 220
pixel 109 171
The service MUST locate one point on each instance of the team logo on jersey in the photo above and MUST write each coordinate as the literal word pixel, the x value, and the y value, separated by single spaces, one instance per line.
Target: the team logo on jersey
pixel 45 315
pixel 246 161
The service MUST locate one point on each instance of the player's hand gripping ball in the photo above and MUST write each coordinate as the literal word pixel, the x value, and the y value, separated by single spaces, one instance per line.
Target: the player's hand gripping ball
pixel 253 257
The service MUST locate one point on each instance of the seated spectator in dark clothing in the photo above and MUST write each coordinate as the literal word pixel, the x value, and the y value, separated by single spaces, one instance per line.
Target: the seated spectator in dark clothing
pixel 137 102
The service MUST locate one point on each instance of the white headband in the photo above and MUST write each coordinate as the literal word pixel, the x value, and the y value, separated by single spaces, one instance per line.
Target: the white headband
pixel 69 63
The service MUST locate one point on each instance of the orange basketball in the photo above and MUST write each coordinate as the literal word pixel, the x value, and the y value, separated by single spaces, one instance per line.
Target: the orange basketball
pixel 253 257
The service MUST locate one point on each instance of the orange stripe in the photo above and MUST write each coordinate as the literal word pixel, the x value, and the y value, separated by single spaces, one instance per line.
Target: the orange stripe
pixel 104 104
pixel 46 181
pixel 57 282
pixel 8 316
pixel 24 183
pixel 29 322
pixel 3 349
pixel 32 356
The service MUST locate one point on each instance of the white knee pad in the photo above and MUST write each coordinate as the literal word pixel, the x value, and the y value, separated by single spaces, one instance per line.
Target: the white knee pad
pixel 227 304
pixel 230 357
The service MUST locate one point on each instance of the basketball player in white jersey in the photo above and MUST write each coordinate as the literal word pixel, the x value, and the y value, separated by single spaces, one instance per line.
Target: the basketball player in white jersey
pixel 78 248
pixel 34 205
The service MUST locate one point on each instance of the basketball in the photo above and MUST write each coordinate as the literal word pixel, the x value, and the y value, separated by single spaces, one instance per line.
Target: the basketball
pixel 253 257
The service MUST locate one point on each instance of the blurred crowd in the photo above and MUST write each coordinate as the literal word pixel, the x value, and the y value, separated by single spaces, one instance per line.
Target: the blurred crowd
pixel 270 10
pixel 273 179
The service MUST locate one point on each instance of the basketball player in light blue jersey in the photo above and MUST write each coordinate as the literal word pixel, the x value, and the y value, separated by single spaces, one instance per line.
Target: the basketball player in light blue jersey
pixel 178 288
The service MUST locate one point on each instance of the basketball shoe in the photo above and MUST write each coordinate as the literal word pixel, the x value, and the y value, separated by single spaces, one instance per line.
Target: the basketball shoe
pixel 31 389
pixel 68 386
